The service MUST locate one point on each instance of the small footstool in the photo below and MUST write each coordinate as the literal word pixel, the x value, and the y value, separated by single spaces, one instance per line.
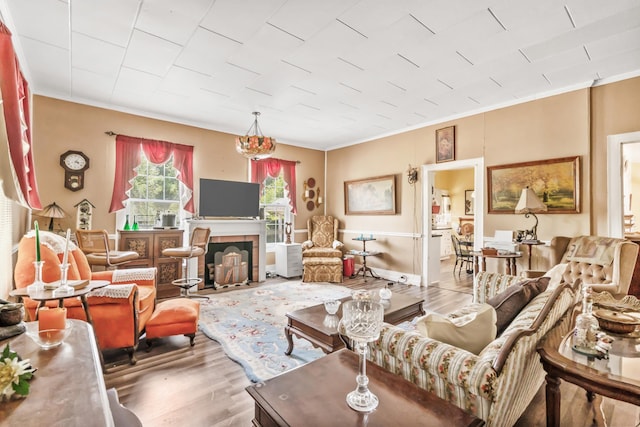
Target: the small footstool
pixel 173 317
pixel 322 269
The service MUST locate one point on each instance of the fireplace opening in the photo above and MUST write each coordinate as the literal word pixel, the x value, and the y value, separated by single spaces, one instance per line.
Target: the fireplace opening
pixel 228 264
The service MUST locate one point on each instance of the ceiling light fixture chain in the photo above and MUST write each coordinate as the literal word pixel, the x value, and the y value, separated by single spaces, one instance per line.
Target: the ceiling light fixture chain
pixel 254 145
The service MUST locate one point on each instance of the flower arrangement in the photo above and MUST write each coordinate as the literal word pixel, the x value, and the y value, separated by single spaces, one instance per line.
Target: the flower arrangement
pixel 255 146
pixel 14 375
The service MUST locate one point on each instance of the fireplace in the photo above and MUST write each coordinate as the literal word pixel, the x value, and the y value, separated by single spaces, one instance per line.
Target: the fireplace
pixel 230 231
pixel 227 264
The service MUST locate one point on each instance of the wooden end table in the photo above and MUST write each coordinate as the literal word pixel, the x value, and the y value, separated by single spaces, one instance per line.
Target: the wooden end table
pixel 315 395
pixel 510 261
pixel 321 329
pixel 364 253
pixel 615 377
pixel 48 295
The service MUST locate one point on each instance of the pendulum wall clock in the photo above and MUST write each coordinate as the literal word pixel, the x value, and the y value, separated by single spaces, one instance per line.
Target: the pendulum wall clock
pixel 74 164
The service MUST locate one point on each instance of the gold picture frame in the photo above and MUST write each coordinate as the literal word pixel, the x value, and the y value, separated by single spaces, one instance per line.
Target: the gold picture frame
pixel 555 181
pixel 370 196
pixel 446 144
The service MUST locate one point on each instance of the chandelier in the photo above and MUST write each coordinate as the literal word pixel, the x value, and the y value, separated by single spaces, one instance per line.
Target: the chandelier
pixel 255 146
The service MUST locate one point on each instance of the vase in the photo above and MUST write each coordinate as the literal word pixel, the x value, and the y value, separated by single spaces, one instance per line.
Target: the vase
pixel 38 284
pixel 362 320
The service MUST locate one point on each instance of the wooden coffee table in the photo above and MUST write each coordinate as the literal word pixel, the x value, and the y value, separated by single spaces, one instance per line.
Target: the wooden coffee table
pixel 315 325
pixel 315 395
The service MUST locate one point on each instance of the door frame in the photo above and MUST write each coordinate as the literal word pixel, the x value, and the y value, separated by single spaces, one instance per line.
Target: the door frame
pixel 615 181
pixel 428 173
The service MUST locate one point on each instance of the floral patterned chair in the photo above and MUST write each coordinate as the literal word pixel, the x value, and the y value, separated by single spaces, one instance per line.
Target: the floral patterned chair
pixel 322 252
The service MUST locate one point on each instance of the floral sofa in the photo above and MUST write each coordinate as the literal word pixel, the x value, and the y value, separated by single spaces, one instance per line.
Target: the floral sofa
pixel 497 384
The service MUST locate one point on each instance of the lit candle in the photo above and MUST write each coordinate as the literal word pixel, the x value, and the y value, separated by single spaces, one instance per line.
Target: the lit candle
pixel 51 318
pixel 65 257
pixel 35 223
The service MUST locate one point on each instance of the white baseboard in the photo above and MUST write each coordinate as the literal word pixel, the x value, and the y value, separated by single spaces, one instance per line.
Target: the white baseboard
pixel 391 276
pixel 395 276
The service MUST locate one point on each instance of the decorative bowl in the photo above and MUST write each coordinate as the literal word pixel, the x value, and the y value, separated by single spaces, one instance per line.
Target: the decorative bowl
pixel 616 322
pixel 11 314
pixel 48 338
pixel 332 306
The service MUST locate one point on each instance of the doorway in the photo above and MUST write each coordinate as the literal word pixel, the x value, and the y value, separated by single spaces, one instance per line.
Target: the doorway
pixel 616 147
pixel 429 261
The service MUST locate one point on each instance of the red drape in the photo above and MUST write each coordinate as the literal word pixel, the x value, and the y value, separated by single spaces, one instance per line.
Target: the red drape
pixel 19 184
pixel 158 152
pixel 261 169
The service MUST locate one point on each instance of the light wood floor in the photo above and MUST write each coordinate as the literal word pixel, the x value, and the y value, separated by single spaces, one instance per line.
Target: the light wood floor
pixel 178 385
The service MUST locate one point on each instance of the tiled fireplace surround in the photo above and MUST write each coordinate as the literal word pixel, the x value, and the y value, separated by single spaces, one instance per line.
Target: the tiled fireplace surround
pixel 231 230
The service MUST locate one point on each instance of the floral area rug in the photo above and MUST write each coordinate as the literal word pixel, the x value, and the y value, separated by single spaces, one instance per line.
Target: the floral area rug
pixel 249 324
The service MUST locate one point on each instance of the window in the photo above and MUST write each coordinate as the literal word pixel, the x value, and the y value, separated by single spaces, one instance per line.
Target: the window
pixel 276 207
pixel 155 190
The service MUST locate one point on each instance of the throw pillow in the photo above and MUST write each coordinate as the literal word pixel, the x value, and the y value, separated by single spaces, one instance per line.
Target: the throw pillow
pixel 555 275
pixel 471 332
pixel 510 302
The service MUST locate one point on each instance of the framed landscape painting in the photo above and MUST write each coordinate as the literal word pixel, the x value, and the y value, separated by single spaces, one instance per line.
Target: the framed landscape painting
pixel 555 181
pixel 370 196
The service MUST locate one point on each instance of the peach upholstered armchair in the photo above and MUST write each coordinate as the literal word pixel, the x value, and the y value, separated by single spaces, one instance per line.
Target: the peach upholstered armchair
pixel 322 252
pixel 119 311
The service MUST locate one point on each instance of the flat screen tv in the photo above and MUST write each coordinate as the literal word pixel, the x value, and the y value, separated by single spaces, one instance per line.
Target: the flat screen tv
pixel 219 198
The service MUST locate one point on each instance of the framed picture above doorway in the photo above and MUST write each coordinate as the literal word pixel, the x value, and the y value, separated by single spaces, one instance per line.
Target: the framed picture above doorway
pixel 446 144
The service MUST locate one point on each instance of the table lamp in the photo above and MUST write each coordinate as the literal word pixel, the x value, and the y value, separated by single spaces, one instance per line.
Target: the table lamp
pixel 529 204
pixel 53 211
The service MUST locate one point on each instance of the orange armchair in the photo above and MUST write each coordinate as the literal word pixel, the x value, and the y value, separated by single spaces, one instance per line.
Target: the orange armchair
pixel 119 313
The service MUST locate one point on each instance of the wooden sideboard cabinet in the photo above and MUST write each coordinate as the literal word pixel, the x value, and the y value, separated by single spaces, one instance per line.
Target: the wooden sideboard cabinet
pixel 150 244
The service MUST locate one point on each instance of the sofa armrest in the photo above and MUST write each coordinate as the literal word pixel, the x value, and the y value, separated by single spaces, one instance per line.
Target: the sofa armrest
pixel 487 285
pixel 427 362
pixel 139 276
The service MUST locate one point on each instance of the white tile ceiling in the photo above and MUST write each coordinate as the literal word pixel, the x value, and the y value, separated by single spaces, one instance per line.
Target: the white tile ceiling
pixel 323 73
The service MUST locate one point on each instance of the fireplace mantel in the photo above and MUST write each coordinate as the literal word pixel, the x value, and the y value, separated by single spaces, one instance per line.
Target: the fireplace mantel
pixel 239 227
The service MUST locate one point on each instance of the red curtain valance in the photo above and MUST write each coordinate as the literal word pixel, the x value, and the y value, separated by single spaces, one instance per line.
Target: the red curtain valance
pixel 17 171
pixel 158 152
pixel 261 169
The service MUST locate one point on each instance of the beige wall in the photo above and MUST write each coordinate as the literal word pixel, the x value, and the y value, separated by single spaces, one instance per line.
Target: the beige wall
pixel 615 109
pixel 60 126
pixel 553 127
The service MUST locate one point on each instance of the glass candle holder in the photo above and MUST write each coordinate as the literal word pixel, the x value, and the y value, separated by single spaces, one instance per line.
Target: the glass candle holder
pixel 362 320
pixel 64 288
pixel 38 284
